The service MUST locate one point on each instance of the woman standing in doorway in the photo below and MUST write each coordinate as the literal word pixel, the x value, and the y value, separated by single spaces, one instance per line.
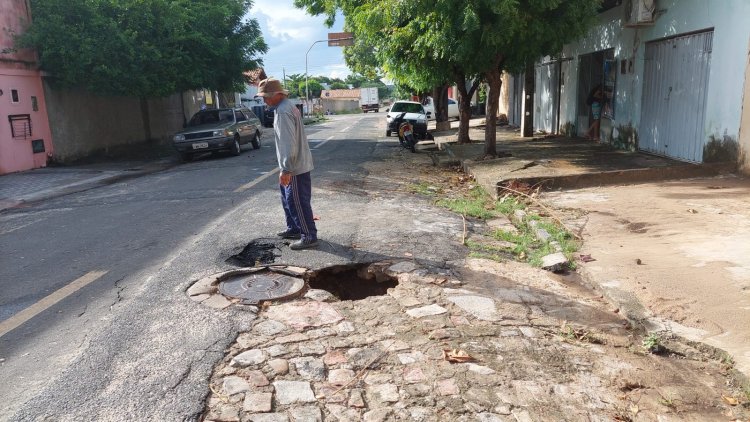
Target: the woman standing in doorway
pixel 595 100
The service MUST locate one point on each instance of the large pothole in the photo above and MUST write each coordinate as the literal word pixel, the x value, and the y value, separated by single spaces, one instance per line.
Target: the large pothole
pixel 352 281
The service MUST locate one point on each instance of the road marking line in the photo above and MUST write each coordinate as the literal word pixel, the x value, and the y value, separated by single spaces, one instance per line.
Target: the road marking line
pixel 256 181
pixel 323 143
pixel 345 129
pixel 18 319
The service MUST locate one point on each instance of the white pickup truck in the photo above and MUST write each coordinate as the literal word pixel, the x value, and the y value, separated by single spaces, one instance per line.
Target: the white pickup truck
pixel 429 108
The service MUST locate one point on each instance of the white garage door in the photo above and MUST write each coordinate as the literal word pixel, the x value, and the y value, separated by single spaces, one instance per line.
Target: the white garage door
pixel 675 82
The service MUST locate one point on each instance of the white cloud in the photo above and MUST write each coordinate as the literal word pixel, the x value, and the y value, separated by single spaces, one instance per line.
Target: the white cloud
pixel 289 33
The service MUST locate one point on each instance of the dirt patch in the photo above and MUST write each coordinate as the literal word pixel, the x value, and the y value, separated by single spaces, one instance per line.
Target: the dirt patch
pixel 680 248
pixel 261 251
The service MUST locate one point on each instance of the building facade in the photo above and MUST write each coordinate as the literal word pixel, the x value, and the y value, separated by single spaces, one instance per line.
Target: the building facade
pixel 25 137
pixel 672 73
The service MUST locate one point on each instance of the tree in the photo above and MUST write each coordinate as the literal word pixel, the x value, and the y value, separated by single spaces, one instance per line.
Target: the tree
pixel 312 85
pixel 292 84
pixel 145 48
pixel 426 43
pixel 339 85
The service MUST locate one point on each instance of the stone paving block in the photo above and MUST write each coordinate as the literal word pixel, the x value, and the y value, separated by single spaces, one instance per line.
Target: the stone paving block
pixel 554 262
pixel 291 392
pixel 321 332
pixel 489 417
pixel 479 369
pixel 256 378
pixel 481 307
pixel 203 286
pixel 356 399
pixel 270 328
pixel 522 416
pixel 340 377
pixel 217 302
pixel 319 295
pixel 413 374
pixel 277 350
pixel 306 414
pixel 292 338
pixel 224 412
pixel 422 414
pixel 408 302
pixel 309 368
pixel 200 298
pixel 257 402
pixel 311 349
pixel 279 366
pixel 424 311
pixel 384 393
pixel 250 340
pixel 343 414
pixel 233 385
pixel 447 387
pixel 301 315
pixel 345 327
pixel 412 357
pixel 250 357
pixel 334 357
pixel 377 415
pixel 269 417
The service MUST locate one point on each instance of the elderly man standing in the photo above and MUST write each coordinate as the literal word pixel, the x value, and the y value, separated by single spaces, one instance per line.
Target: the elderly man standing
pixel 295 162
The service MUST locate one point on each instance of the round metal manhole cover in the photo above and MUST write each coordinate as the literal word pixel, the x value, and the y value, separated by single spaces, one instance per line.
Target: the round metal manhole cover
pixel 258 287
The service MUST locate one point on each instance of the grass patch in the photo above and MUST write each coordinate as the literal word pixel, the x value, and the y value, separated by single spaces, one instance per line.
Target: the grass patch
pixel 526 246
pixel 476 204
pixel 424 188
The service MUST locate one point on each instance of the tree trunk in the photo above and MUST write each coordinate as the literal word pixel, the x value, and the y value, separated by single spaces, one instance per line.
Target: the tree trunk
pixel 494 78
pixel 528 102
pixel 464 106
pixel 440 99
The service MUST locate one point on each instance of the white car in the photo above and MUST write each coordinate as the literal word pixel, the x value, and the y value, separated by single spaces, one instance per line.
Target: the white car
pixel 414 114
pixel 429 108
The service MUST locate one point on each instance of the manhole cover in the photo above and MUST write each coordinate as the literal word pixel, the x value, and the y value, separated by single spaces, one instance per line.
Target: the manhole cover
pixel 258 287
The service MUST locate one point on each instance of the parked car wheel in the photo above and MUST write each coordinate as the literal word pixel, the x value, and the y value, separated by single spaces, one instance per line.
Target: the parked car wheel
pixel 256 140
pixel 387 133
pixel 236 148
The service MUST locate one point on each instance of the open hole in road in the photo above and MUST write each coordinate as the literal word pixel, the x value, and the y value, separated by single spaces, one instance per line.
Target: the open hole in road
pixel 352 281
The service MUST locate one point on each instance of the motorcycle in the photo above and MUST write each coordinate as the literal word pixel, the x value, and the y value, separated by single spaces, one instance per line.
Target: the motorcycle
pixel 406 136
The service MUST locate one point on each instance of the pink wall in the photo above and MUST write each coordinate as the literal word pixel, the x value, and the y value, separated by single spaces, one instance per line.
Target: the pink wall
pixel 19 73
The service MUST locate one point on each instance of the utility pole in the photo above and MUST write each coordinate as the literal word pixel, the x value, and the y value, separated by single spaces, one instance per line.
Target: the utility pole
pixel 335 39
pixel 283 81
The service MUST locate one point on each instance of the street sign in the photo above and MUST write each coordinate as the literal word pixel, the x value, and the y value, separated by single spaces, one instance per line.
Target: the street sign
pixel 340 39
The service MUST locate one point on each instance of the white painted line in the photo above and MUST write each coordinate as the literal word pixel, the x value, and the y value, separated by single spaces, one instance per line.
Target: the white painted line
pixel 345 129
pixel 323 143
pixel 18 319
pixel 256 181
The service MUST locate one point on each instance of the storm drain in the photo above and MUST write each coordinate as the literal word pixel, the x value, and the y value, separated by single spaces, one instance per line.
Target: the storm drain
pixel 258 287
pixel 353 281
pixel 258 252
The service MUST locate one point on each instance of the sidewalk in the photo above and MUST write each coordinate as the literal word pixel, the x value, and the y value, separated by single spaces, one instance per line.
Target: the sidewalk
pixel 50 182
pixel 670 254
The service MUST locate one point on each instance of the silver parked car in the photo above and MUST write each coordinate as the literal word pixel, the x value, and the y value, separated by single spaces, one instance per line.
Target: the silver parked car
pixel 223 129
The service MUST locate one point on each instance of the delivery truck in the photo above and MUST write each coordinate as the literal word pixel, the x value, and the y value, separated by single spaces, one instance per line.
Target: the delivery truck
pixel 368 99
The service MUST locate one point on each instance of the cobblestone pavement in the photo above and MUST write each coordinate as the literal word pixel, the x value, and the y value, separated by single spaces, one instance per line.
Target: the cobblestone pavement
pixel 465 340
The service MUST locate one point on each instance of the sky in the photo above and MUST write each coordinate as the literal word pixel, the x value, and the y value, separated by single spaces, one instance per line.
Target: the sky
pixel 289 33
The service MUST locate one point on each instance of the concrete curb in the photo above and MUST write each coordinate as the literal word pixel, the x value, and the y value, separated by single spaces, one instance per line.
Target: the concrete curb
pixel 83 185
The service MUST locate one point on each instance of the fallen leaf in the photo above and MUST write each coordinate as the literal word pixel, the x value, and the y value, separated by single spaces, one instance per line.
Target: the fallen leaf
pixel 457 356
pixel 730 400
pixel 634 409
pixel 692 211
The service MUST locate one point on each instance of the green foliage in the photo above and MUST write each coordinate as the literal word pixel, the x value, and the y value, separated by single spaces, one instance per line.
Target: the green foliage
pixel 652 343
pixel 145 47
pixel 339 85
pixel 477 204
pixel 312 86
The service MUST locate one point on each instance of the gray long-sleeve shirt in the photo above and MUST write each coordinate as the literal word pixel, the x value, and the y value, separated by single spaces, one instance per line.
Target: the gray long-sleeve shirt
pixel 292 149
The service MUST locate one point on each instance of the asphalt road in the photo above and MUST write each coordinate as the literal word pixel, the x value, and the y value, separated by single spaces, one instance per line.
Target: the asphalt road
pixel 127 343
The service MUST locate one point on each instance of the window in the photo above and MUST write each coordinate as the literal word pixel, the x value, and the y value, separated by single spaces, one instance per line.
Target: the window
pixel 34 103
pixel 451 101
pixel 250 115
pixel 20 126
pixel 13 95
pixel 239 116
